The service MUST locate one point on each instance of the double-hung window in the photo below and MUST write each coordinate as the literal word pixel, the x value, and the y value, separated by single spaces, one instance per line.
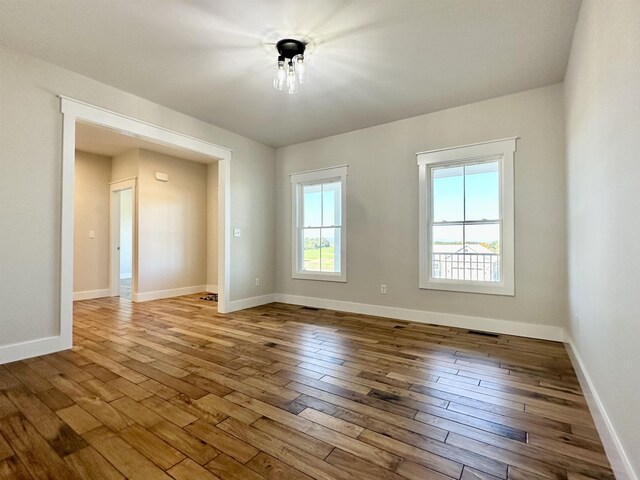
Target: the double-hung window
pixel 319 224
pixel 467 218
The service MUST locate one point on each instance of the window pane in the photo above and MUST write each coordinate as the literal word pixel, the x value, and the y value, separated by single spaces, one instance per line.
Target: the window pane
pixel 448 198
pixel 330 250
pixel 482 252
pixel 482 191
pixel 311 198
pixel 331 210
pixel 447 254
pixel 311 249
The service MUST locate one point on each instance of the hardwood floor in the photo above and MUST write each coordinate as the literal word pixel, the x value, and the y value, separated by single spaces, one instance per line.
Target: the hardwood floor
pixel 170 389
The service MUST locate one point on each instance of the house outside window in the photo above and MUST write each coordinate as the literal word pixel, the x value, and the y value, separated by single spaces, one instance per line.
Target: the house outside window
pixel 467 218
pixel 319 241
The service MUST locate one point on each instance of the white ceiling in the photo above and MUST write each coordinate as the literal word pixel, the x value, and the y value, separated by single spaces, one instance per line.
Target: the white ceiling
pixel 371 61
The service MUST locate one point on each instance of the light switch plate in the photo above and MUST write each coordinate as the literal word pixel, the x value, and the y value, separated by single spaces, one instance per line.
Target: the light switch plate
pixel 236 232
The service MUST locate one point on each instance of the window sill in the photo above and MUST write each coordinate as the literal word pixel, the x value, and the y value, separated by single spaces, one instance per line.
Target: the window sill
pixel 475 287
pixel 327 277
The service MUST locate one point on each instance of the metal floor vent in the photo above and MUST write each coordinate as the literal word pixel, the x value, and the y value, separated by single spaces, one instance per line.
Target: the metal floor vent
pixel 310 308
pixel 486 334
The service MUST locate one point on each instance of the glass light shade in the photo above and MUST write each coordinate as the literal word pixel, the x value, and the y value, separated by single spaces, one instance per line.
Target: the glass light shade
pixel 280 76
pixel 300 67
pixel 292 81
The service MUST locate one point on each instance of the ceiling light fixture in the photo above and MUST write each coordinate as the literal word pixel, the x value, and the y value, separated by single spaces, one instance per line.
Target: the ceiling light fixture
pixel 291 68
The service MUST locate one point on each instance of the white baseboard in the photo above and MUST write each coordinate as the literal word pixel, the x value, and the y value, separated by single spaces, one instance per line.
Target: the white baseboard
pixel 159 294
pixel 33 348
pixel 89 294
pixel 615 451
pixel 236 305
pixel 211 288
pixel 521 329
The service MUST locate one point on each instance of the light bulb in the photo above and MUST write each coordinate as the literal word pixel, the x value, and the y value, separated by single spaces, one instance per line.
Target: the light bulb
pixel 301 69
pixel 292 81
pixel 280 76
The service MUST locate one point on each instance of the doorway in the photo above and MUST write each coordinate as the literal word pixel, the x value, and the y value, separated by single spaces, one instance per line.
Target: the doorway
pixel 77 111
pixel 122 207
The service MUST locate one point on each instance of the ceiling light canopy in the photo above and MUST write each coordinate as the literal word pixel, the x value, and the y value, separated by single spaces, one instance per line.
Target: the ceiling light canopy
pixel 291 68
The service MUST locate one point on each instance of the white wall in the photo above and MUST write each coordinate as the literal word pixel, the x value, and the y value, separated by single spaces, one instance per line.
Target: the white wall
pixel 602 94
pixel 126 233
pixel 382 208
pixel 91 203
pixel 125 166
pixel 30 190
pixel 172 220
pixel 172 223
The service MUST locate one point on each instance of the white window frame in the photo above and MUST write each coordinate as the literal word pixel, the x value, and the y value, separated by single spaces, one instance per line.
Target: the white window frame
pixel 496 150
pixel 298 180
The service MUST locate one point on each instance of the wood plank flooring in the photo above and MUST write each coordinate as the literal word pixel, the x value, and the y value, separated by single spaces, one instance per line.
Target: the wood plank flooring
pixel 170 389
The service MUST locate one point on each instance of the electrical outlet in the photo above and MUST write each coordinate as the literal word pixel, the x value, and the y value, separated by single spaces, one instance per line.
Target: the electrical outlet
pixel 383 289
pixel 257 282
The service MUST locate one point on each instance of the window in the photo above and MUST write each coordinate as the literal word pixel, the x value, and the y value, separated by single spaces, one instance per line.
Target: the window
pixel 467 218
pixel 319 224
